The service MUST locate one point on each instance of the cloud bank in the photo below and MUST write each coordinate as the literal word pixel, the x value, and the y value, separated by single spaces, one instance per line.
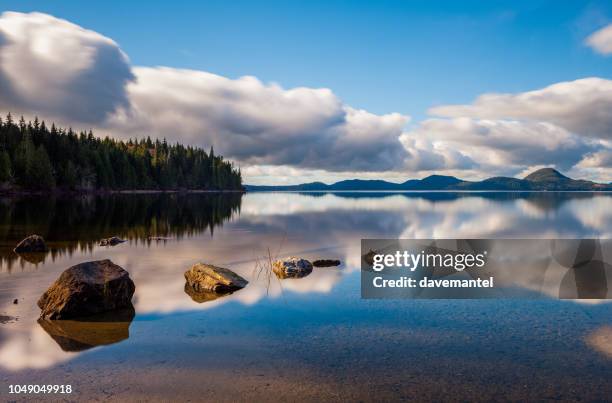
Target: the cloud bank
pixel 567 125
pixel 59 71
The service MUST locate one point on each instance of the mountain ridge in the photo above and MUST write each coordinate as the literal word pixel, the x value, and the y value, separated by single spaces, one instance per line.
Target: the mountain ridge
pixel 544 179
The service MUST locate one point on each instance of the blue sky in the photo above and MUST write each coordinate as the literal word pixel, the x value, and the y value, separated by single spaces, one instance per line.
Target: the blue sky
pixel 380 56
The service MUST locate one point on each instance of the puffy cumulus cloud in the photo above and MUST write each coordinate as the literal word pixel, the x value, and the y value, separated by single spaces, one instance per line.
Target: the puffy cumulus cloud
pixel 261 124
pixel 601 40
pixel 503 147
pixel 581 106
pixel 57 69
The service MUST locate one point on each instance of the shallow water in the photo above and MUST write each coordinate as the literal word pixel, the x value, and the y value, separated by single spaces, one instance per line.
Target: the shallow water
pixel 297 339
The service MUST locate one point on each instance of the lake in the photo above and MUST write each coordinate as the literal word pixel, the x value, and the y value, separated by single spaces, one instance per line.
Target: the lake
pixel 296 339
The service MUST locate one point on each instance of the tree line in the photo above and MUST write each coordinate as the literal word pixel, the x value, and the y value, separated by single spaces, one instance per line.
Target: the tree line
pixel 35 157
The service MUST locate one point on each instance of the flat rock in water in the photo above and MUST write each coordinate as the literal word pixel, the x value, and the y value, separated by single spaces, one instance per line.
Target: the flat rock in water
pixel 206 277
pixel 292 267
pixel 326 263
pixel 112 241
pixel 31 244
pixel 87 289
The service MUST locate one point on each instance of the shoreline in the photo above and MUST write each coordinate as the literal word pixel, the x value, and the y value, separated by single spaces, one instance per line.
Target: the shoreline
pixel 56 192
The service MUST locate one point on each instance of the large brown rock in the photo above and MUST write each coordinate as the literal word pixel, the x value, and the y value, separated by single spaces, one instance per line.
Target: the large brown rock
pixel 206 277
pixel 31 244
pixel 87 289
pixel 292 267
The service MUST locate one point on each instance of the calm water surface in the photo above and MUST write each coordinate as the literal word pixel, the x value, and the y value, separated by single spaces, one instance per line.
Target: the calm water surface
pixel 301 339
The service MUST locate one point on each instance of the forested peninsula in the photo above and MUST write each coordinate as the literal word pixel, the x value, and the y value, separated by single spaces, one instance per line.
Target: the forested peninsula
pixel 35 157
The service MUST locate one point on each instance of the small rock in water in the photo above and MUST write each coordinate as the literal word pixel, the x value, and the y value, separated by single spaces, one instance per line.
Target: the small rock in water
pixel 31 244
pixel 15 301
pixel 87 289
pixel 292 267
pixel 112 241
pixel 326 263
pixel 206 277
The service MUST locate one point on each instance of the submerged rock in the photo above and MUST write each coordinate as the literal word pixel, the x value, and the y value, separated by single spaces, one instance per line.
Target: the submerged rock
pixel 205 277
pixel 292 267
pixel 31 244
pixel 87 289
pixel 112 241
pixel 4 319
pixel 326 263
pixel 97 330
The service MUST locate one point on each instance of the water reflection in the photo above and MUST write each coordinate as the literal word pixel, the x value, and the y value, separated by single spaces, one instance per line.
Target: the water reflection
pixel 98 330
pixel 200 296
pixel 304 225
pixel 76 225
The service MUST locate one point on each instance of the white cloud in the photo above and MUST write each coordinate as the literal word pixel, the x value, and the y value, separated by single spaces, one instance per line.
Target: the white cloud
pixel 601 40
pixel 581 106
pixel 500 147
pixel 57 69
pixel 602 158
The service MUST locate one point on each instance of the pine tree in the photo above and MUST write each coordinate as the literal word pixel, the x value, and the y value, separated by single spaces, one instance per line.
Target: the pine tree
pixel 40 171
pixel 5 167
pixel 24 156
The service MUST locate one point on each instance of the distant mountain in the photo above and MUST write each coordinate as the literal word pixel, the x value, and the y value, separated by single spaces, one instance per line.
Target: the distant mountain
pixel 546 175
pixel 542 179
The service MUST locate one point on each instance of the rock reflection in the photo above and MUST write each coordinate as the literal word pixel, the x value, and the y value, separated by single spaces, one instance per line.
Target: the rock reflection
pixel 33 258
pixel 203 296
pixel 98 330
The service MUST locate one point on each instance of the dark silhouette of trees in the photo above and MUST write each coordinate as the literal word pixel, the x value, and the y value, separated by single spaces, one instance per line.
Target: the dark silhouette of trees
pixel 5 167
pixel 34 157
